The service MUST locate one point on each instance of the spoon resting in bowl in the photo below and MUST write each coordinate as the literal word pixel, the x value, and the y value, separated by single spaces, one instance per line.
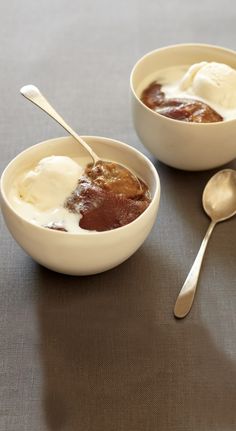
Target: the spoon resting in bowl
pixel 113 175
pixel 219 202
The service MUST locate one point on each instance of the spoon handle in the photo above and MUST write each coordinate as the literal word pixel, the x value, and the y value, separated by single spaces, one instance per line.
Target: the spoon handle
pixel 185 299
pixel 33 94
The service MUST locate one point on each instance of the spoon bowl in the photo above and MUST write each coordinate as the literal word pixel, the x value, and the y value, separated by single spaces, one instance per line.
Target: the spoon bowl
pixel 219 202
pixel 219 196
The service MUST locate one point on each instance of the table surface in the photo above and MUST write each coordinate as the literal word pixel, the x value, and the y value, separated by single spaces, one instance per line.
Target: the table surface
pixel 105 353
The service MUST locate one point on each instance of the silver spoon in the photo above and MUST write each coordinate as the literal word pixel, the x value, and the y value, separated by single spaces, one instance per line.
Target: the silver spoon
pixel 219 202
pixel 33 94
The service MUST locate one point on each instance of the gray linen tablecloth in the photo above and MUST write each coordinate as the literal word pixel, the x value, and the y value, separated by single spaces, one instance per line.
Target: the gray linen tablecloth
pixel 104 353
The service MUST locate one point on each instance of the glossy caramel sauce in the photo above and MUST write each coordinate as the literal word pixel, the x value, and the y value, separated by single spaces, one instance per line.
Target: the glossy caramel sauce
pixel 108 196
pixel 181 109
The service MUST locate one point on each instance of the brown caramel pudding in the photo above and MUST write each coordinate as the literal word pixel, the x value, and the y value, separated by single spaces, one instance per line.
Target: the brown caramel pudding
pixel 190 110
pixel 60 194
pixel 108 196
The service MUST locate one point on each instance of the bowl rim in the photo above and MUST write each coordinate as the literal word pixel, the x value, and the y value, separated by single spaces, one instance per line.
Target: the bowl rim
pixel 156 195
pixel 172 120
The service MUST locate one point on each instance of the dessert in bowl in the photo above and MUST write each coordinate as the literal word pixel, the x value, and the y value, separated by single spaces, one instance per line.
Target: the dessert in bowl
pixel 184 105
pixel 51 233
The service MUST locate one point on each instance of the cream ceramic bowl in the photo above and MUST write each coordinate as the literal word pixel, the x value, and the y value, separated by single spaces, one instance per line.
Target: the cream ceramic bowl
pixel 183 145
pixel 86 252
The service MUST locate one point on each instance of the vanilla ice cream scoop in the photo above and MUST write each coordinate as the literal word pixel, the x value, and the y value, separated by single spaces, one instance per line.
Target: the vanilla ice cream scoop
pixel 50 182
pixel 214 82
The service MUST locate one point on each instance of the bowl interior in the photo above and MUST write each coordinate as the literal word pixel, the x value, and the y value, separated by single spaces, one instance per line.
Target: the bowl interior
pixel 105 148
pixel 185 54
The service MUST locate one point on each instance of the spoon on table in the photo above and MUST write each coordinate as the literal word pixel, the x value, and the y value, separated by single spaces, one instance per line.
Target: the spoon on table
pixel 33 94
pixel 219 202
